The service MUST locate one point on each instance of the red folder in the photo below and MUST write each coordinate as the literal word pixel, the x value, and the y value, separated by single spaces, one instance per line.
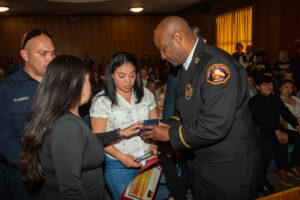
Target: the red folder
pixel 144 184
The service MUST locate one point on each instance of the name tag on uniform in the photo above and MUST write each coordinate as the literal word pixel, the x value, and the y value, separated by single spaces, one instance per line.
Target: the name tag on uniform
pixel 26 98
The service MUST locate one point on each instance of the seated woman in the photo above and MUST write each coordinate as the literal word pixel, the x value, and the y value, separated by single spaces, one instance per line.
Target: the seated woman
pixel 60 152
pixel 123 102
pixel 286 91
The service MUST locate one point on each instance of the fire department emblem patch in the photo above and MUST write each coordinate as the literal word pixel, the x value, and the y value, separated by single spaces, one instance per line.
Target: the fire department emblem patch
pixel 188 91
pixel 217 74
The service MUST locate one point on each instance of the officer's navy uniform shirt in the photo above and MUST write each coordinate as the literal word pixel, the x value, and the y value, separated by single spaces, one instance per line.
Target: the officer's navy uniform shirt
pixel 16 95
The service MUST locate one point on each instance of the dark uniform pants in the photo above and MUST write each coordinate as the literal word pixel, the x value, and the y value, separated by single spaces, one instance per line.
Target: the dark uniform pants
pixel 236 180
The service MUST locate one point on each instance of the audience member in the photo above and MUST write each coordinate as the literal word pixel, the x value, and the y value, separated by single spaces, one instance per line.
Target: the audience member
pixel 198 33
pixel 159 96
pixel 287 75
pixel 266 110
pixel 295 67
pixel 146 60
pixel 10 66
pixel 260 66
pixel 247 59
pixel 282 65
pixel 144 76
pixel 286 91
pixel 151 86
pixel 252 89
pixel 17 93
pixel 60 151
pixel 88 61
pixel 123 102
pixel 239 51
pixel 102 65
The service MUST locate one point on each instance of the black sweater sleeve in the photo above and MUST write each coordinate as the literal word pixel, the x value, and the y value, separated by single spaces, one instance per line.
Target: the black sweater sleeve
pixel 107 137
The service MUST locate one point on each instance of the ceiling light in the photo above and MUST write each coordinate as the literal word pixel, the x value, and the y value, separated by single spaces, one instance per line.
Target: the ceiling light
pixel 136 9
pixel 4 8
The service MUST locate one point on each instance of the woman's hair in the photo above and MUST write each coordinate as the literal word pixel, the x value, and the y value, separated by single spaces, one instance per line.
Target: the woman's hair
pixel 59 91
pixel 115 62
pixel 285 81
pixel 158 92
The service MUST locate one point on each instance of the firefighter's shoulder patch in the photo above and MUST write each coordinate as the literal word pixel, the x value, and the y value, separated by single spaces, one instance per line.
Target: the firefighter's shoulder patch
pixel 217 74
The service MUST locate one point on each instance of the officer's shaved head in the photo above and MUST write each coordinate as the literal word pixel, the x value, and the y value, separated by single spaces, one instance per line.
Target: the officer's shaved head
pixel 174 38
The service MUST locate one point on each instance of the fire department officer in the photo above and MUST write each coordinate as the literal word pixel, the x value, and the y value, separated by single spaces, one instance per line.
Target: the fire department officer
pixel 213 116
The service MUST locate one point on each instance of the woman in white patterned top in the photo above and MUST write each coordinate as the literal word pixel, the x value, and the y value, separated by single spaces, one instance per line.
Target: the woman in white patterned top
pixel 123 102
pixel 286 90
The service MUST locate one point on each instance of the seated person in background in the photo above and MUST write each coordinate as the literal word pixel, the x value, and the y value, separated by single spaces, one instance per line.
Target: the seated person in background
pixel 286 91
pixel 252 89
pixel 282 65
pixel 260 66
pixel 151 86
pixel 10 66
pixel 287 75
pixel 239 51
pixel 159 96
pixel 266 110
pixel 247 59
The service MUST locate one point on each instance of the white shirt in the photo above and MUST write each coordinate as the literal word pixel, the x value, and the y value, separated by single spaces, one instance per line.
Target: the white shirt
pixel 188 61
pixel 295 110
pixel 124 115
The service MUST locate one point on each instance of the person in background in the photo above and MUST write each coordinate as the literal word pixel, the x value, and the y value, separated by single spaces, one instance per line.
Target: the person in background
pixel 286 91
pixel 123 102
pixel 295 67
pixel 61 154
pixel 252 90
pixel 239 51
pixel 287 75
pixel 146 60
pixel 267 110
pixel 247 59
pixel 10 67
pixel 151 86
pixel 17 92
pixel 144 76
pixel 281 66
pixel 261 66
pixel 102 65
pixel 159 96
pixel 88 61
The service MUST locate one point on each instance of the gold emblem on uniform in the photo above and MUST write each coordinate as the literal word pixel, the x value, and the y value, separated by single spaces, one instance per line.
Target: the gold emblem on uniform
pixel 188 91
pixel 196 60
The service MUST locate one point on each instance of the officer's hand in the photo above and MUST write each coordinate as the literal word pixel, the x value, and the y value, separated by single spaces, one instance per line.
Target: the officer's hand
pixel 156 132
pixel 282 137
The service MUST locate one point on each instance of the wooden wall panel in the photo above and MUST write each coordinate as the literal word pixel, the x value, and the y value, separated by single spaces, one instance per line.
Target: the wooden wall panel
pixel 96 35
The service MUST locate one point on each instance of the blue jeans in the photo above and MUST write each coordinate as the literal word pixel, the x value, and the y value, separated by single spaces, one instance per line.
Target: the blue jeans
pixel 117 177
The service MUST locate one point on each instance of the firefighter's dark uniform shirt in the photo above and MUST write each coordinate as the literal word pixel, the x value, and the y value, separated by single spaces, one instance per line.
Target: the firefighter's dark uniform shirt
pixel 16 95
pixel 266 111
pixel 213 114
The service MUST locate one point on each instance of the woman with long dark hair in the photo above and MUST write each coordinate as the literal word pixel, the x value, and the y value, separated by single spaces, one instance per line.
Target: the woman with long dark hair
pixel 123 102
pixel 59 150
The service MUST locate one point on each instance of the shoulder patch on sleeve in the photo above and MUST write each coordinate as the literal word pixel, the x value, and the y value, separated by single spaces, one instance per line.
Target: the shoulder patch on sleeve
pixel 217 74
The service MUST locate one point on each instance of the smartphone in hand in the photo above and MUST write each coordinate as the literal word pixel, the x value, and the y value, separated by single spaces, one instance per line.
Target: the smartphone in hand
pixel 145 156
pixel 149 122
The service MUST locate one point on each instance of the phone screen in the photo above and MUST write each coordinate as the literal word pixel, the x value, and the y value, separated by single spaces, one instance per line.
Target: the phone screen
pixel 149 122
